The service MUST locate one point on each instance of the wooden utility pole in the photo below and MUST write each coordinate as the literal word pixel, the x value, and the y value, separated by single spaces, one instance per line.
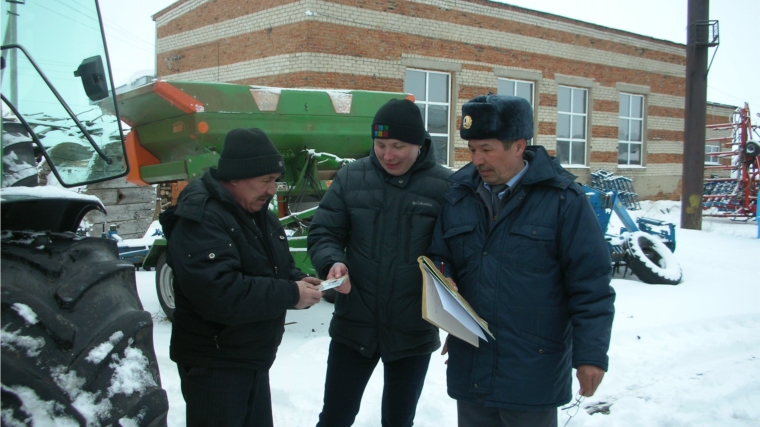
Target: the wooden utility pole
pixel 698 40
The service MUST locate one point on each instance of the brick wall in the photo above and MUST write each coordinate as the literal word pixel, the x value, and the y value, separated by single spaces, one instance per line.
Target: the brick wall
pixel 370 44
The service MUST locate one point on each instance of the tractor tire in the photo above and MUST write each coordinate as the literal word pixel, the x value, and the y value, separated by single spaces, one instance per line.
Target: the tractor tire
pixel 77 346
pixel 651 261
pixel 165 286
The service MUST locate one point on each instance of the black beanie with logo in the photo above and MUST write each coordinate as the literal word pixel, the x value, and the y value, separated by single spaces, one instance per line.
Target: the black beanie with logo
pixel 248 153
pixel 399 119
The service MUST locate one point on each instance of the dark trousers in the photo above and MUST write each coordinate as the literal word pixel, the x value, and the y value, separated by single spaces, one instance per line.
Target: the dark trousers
pixel 226 397
pixel 475 415
pixel 347 375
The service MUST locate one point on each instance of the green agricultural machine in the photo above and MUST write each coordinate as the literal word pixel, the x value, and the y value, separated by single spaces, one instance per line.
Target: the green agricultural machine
pixel 178 130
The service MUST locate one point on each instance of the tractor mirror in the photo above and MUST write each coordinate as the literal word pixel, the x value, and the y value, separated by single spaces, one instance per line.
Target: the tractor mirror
pixel 93 78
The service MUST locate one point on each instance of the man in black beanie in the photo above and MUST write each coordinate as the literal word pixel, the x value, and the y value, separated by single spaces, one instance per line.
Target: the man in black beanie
pixel 234 279
pixel 373 223
pixel 521 242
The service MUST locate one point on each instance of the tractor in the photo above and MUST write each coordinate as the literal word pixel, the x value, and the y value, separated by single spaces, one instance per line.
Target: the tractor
pixel 77 346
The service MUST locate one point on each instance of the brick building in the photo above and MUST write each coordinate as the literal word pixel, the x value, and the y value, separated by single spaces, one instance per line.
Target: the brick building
pixel 603 98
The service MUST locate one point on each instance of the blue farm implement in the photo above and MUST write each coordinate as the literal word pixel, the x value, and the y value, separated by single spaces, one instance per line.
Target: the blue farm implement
pixel 645 246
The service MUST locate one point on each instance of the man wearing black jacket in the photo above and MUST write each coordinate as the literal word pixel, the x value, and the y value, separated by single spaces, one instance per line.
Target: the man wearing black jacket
pixel 373 223
pixel 234 281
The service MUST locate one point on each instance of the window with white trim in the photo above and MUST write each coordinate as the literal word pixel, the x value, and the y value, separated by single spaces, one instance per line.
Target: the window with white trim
pixel 520 88
pixel 712 160
pixel 631 129
pixel 432 90
pixel 572 119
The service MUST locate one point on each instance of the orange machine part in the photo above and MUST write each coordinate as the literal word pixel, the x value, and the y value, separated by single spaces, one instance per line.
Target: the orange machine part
pixel 186 103
pixel 137 156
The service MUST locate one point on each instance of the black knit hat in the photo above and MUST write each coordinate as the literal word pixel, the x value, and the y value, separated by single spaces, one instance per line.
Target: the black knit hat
pixel 248 153
pixel 506 118
pixel 399 119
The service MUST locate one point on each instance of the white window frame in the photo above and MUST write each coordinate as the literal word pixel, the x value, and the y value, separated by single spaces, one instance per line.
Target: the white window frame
pixel 514 93
pixel 427 104
pixel 712 160
pixel 572 114
pixel 517 81
pixel 631 119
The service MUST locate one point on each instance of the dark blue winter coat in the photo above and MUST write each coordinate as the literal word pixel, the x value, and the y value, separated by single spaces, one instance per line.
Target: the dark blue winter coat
pixel 540 278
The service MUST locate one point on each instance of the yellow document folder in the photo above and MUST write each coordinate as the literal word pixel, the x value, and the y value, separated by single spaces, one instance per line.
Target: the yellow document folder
pixel 445 308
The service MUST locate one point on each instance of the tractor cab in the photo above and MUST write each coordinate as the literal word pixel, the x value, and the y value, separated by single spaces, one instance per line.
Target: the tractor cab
pixel 56 80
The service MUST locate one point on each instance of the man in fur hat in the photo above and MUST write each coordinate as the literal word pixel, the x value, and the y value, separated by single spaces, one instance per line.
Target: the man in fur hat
pixel 521 242
pixel 234 279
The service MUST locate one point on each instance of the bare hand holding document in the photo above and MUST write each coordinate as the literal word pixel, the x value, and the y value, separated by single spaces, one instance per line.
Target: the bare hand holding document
pixel 445 308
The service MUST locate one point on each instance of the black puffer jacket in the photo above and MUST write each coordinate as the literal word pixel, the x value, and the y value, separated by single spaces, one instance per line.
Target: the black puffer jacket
pixel 233 281
pixel 378 224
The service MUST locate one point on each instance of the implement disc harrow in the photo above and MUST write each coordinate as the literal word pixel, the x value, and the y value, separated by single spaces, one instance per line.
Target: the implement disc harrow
pixel 735 196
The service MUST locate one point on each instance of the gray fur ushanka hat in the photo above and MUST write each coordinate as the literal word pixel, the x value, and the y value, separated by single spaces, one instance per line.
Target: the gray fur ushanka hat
pixel 506 118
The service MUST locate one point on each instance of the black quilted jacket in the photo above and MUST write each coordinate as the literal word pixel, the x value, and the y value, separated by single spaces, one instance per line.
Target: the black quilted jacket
pixel 233 282
pixel 378 224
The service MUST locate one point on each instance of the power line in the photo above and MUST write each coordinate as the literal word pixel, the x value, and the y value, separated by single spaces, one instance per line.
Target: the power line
pixel 128 40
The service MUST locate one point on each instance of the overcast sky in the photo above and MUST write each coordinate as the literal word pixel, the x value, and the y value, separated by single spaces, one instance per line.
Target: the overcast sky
pixel 733 79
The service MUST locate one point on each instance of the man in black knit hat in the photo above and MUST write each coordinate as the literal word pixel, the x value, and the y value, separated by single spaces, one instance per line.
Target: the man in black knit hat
pixel 234 279
pixel 373 223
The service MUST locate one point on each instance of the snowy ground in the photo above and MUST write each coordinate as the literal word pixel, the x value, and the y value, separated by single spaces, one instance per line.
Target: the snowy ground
pixel 686 355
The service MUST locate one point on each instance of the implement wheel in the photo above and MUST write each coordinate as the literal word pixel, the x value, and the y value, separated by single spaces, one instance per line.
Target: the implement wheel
pixel 165 286
pixel 651 260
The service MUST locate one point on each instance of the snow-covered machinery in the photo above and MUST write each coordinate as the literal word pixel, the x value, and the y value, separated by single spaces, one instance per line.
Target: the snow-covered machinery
pixel 645 246
pixel 178 131
pixel 734 196
pixel 77 346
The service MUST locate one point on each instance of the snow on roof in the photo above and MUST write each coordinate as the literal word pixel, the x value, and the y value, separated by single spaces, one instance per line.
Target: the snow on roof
pixel 45 192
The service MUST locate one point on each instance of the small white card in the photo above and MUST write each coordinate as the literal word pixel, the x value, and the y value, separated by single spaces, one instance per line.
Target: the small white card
pixel 331 283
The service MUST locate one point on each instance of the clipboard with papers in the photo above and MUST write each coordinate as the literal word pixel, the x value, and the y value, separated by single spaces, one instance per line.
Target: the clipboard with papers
pixel 445 308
